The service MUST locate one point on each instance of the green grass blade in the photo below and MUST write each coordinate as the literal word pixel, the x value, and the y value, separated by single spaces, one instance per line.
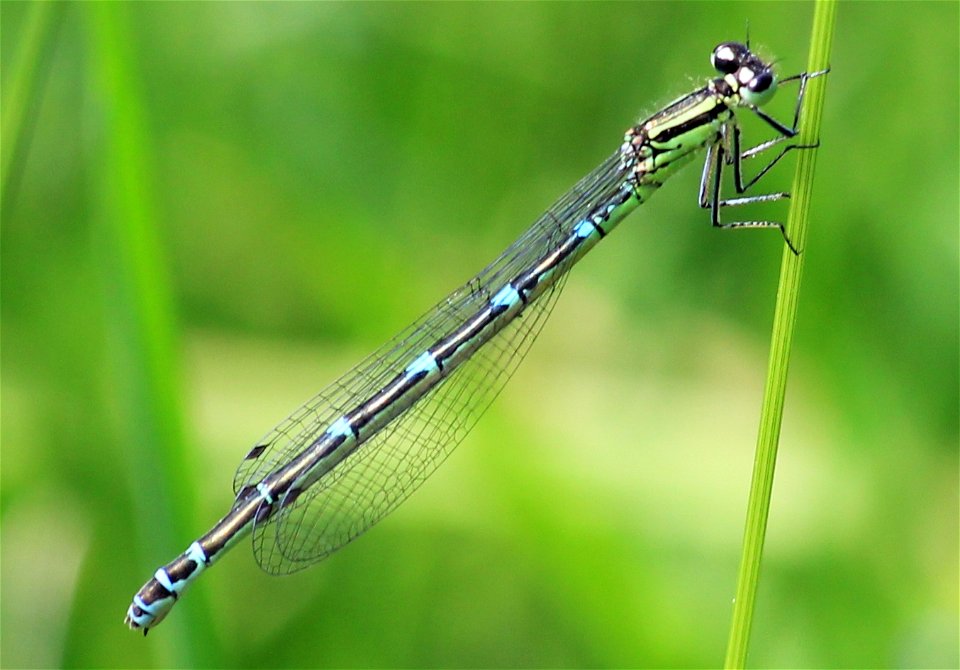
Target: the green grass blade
pixel 142 325
pixel 791 270
pixel 23 90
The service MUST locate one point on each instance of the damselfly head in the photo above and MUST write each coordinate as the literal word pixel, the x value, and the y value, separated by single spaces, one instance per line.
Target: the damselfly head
pixel 754 79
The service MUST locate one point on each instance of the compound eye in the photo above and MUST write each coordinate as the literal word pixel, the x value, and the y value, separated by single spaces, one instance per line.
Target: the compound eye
pixel 757 87
pixel 728 56
pixel 762 82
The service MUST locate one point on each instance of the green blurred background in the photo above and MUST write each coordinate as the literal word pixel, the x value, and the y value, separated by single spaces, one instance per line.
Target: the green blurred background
pixel 211 210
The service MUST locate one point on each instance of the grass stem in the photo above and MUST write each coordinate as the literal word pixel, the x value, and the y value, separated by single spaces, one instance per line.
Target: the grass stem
pixel 788 292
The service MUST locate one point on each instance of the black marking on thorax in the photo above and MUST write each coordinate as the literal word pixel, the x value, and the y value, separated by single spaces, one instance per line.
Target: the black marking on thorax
pixel 672 132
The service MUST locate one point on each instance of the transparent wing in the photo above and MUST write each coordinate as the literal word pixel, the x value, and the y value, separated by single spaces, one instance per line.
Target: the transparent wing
pixel 378 476
pixel 383 471
pixel 298 431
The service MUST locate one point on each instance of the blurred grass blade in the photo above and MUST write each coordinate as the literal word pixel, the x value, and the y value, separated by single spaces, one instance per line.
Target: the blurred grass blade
pixel 141 324
pixel 785 314
pixel 22 93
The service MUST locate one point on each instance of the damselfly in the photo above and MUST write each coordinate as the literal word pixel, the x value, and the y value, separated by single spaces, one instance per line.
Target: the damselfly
pixel 354 452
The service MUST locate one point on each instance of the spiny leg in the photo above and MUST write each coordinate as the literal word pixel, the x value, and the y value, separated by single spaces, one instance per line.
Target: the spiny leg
pixel 735 156
pixel 789 131
pixel 709 195
pixel 727 151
